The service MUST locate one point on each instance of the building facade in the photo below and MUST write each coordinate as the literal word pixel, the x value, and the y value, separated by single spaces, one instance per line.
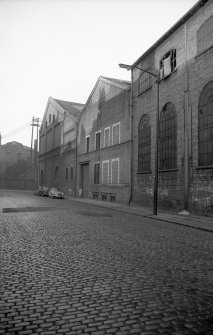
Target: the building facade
pixel 182 59
pixel 104 143
pixel 57 153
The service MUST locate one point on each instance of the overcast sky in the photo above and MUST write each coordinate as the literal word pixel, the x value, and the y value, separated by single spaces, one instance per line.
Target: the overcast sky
pixel 59 48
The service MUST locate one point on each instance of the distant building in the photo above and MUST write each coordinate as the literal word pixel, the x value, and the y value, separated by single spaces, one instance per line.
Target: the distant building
pixel 104 143
pixel 57 153
pixel 14 158
pixel 183 58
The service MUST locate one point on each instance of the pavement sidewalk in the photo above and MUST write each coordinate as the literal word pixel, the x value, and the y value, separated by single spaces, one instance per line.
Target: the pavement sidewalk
pixel 198 222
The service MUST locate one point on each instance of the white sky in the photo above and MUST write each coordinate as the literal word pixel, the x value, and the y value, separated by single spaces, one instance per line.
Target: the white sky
pixel 59 48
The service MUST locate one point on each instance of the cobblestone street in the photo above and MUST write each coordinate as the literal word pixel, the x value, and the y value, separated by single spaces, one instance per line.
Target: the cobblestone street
pixel 74 268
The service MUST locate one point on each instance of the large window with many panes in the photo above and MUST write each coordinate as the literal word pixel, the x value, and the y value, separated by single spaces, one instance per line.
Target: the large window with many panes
pixel 168 138
pixel 144 144
pixel 205 126
pixel 205 36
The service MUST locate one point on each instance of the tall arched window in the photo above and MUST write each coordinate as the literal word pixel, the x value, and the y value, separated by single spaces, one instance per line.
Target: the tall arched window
pixel 144 144
pixel 205 126
pixel 168 138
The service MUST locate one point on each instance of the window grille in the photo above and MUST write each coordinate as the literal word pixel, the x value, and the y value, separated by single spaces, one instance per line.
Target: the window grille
pixel 145 82
pixel 168 138
pixel 205 36
pixel 205 126
pixel 96 173
pixel 144 144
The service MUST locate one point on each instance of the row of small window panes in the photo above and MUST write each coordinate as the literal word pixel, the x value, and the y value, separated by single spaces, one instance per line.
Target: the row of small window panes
pixel 67 173
pixel 115 137
pixel 115 171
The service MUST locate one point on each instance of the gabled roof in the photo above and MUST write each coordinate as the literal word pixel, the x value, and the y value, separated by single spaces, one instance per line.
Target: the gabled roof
pixel 118 81
pixel 178 24
pixel 123 84
pixel 71 107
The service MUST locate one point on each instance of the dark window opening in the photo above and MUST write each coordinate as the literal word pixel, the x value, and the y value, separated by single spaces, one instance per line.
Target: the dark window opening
pixel 95 195
pixel 104 196
pixel 53 118
pixel 96 173
pixel 144 144
pixel 205 126
pixel 168 138
pixel 97 141
pixel 66 177
pixel 49 117
pixel 87 144
pixel 168 63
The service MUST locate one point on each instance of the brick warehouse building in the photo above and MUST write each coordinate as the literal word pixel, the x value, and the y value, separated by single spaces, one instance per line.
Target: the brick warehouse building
pixel 183 59
pixel 57 153
pixel 103 144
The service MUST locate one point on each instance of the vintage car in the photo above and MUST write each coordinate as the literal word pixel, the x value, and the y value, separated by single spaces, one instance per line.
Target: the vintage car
pixel 42 191
pixel 55 193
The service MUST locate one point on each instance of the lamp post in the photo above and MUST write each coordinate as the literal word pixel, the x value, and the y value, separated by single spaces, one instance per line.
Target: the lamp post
pixel 130 67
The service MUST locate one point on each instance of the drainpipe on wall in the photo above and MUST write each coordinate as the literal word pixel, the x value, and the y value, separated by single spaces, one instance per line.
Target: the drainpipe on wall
pixel 186 125
pixel 131 139
pixel 76 155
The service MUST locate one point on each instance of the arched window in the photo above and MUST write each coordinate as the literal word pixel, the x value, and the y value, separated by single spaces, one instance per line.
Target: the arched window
pixel 144 144
pixel 205 126
pixel 205 36
pixel 168 138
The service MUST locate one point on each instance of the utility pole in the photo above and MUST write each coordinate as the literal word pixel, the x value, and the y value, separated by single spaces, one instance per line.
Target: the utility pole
pixel 35 123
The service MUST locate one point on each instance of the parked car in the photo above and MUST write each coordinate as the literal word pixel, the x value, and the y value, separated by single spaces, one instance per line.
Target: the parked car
pixel 42 191
pixel 55 193
pixel 38 190
pixel 45 191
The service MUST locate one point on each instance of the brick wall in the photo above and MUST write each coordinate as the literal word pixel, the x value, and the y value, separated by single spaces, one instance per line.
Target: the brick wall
pixel 182 88
pixel 113 109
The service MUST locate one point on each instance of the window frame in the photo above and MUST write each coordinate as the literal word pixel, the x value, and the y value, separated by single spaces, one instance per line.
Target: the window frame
pixel 173 63
pixel 98 147
pixel 97 177
pixel 141 83
pixel 66 174
pixel 107 128
pixel 204 45
pixel 165 148
pixel 105 162
pixel 119 132
pixel 144 145
pixel 205 127
pixel 112 161
pixel 87 144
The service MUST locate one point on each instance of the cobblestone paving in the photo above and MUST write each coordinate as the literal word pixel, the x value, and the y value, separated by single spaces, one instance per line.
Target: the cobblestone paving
pixel 87 270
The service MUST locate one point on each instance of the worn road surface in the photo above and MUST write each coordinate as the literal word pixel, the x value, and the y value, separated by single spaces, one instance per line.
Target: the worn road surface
pixel 72 268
